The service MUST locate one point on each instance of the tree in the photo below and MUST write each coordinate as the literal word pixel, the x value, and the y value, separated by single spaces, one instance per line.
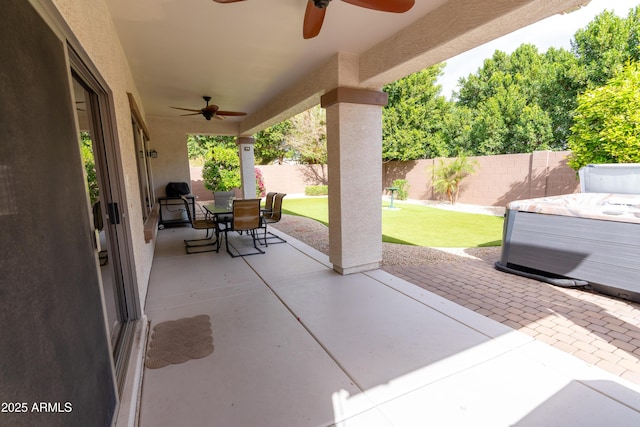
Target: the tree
pixel 504 106
pixel 457 128
pixel 307 136
pixel 198 146
pixel 221 171
pixel 607 122
pixel 449 176
pixel 606 44
pixel 412 121
pixel 271 144
pixel 302 138
pixel 562 81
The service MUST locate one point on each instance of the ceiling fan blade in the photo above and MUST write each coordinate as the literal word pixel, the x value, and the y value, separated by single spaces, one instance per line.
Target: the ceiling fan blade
pixel 226 1
pixel 313 19
pixel 186 109
pixel 192 114
pixel 397 6
pixel 230 113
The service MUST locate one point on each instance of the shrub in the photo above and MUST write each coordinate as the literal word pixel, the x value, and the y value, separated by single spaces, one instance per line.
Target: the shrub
pixel 221 171
pixel 260 188
pixel 86 150
pixel 316 190
pixel 403 188
pixel 607 122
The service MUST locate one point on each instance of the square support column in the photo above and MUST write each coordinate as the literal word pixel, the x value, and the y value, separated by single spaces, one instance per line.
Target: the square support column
pixel 247 166
pixel 354 150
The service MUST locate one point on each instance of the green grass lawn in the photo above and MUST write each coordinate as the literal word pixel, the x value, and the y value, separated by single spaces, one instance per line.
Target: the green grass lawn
pixel 417 225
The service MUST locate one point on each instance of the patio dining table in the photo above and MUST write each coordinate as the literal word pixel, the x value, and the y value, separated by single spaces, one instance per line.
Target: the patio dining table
pixel 217 211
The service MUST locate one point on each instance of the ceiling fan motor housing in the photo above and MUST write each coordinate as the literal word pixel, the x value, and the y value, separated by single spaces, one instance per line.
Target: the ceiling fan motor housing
pixel 321 4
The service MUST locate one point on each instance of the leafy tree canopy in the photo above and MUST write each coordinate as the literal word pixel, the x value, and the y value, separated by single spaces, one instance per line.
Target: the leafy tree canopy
pixel 271 144
pixel 606 44
pixel 507 110
pixel 607 122
pixel 412 121
pixel 199 146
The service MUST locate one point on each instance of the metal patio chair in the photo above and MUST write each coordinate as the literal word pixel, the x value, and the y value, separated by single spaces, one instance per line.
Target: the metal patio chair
pixel 271 217
pixel 246 218
pixel 194 246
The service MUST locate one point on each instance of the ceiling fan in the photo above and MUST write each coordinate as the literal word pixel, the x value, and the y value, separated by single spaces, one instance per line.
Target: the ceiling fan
pixel 210 111
pixel 316 9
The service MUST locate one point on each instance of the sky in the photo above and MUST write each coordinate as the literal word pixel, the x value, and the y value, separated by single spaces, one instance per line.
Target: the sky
pixel 555 31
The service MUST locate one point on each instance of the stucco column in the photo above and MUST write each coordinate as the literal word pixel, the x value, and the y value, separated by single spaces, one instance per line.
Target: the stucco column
pixel 354 150
pixel 247 166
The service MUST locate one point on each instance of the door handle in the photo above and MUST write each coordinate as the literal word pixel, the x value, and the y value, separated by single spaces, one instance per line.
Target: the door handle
pixel 114 213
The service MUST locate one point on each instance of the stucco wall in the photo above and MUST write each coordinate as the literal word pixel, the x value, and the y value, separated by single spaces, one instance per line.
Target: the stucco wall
pixel 169 139
pixel 497 180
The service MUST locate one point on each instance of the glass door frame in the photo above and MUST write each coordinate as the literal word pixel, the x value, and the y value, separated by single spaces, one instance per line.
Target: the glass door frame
pixel 120 237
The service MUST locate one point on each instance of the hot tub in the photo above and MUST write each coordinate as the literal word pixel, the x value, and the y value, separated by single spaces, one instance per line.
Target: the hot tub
pixel 575 240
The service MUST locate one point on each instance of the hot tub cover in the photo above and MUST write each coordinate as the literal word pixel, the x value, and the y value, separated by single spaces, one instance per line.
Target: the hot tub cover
pixel 609 207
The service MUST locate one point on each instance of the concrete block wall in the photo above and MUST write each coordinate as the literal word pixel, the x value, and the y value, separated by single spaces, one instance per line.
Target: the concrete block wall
pixel 497 180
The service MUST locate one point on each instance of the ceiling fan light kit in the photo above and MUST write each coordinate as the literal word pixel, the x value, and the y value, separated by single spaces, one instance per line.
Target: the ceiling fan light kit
pixel 316 9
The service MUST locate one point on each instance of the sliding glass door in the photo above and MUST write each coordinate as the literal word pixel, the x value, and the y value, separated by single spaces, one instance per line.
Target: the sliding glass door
pixel 103 192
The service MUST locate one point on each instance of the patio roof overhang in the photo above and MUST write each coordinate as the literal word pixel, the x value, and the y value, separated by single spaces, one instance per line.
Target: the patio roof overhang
pixel 250 56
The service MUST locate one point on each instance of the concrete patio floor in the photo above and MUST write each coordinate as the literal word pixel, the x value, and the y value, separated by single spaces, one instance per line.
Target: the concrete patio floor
pixel 296 344
pixel 599 329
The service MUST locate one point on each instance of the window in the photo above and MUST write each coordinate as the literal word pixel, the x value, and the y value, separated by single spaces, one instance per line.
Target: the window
pixel 141 141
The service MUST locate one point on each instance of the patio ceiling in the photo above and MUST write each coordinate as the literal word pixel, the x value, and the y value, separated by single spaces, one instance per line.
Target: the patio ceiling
pixel 250 56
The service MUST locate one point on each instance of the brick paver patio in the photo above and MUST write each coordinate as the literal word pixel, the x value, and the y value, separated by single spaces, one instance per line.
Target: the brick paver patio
pixel 598 329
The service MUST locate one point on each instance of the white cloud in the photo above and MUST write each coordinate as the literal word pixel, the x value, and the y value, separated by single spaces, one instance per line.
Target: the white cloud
pixel 556 31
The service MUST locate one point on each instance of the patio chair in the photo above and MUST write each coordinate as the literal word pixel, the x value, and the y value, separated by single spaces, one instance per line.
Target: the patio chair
pixel 272 217
pixel 246 217
pixel 268 203
pixel 194 246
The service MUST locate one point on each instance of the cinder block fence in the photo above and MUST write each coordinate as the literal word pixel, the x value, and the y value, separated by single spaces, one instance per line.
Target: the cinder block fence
pixel 497 181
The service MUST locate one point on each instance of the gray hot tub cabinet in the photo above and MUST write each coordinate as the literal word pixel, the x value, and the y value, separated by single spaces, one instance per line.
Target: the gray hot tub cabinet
pixel 606 254
pixel 602 253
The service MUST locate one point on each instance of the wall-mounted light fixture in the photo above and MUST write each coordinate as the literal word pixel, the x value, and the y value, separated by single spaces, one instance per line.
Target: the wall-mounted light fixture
pixel 153 154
